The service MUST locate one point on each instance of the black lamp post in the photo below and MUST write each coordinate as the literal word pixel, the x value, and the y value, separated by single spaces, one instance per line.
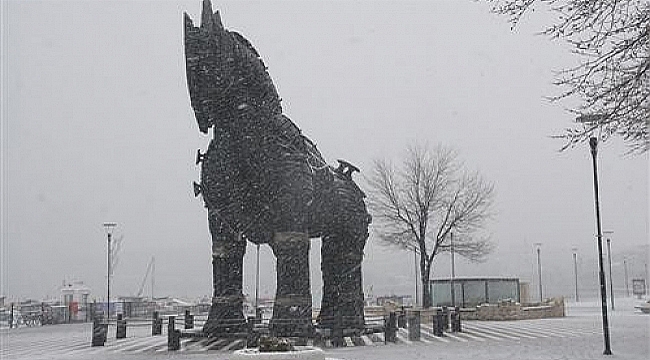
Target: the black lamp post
pixel 415 262
pixel 453 273
pixel 109 231
pixel 257 280
pixel 593 144
pixel 539 269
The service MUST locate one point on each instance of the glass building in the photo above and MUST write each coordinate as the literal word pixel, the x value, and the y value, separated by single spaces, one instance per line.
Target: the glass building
pixel 471 292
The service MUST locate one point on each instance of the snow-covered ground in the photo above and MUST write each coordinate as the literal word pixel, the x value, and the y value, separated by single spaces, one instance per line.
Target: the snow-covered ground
pixel 576 337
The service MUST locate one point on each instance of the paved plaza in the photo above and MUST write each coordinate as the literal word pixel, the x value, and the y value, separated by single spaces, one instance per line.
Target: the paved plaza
pixel 577 336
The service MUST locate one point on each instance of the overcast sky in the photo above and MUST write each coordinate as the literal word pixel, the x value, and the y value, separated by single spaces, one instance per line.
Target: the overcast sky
pixel 97 126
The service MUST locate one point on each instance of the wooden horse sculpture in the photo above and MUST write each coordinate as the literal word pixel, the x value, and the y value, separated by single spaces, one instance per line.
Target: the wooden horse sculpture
pixel 263 181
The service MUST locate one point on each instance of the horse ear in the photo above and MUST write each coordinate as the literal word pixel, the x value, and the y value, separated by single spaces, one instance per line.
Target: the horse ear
pixel 216 21
pixel 210 21
pixel 206 15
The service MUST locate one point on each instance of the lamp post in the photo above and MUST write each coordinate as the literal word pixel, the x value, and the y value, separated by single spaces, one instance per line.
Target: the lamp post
pixel 593 144
pixel 257 280
pixel 539 268
pixel 415 261
pixel 575 270
pixel 109 232
pixel 609 259
pixel 627 289
pixel 453 273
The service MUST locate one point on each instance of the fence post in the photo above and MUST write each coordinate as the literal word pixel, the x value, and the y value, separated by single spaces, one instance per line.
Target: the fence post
pixel 120 331
pixel 100 331
pixel 156 325
pixel 438 323
pixel 189 320
pixel 455 325
pixel 173 335
pixel 446 314
pixel 390 328
pixel 414 325
pixel 11 317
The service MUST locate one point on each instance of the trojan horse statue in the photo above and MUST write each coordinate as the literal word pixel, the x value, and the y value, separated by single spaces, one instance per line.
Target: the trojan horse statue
pixel 263 181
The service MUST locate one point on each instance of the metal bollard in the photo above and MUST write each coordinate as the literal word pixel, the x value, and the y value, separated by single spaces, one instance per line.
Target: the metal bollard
pixel 438 323
pixel 189 320
pixel 446 315
pixel 120 331
pixel 100 332
pixel 455 325
pixel 414 326
pixel 156 324
pixel 390 328
pixel 173 335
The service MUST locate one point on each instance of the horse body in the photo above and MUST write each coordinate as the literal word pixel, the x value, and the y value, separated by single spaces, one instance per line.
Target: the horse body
pixel 263 181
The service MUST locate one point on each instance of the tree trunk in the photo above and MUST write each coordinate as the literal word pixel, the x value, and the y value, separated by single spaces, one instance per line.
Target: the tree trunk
pixel 427 301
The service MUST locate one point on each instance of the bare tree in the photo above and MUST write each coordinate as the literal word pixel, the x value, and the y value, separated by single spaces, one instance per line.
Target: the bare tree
pixel 430 196
pixel 612 80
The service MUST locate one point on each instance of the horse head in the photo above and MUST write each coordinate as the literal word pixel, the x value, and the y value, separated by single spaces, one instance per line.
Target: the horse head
pixel 224 72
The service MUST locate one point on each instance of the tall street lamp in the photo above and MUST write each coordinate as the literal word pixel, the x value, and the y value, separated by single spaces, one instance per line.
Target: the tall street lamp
pixel 593 145
pixel 539 269
pixel 109 231
pixel 609 259
pixel 257 280
pixel 453 272
pixel 415 261
pixel 575 269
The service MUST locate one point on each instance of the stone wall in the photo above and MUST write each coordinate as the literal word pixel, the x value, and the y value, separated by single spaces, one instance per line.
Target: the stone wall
pixel 510 310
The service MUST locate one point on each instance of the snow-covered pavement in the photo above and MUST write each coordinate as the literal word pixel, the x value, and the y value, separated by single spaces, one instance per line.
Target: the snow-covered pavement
pixel 578 336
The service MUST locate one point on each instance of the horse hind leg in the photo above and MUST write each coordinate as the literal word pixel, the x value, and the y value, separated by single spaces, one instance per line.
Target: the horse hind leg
pixel 226 313
pixel 343 300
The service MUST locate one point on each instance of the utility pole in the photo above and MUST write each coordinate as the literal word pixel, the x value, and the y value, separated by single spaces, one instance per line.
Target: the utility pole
pixel 153 276
pixel 109 231
pixel 627 289
pixel 539 269
pixel 575 269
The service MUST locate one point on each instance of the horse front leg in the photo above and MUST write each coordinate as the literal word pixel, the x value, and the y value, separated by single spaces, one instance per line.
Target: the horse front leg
pixel 292 308
pixel 226 313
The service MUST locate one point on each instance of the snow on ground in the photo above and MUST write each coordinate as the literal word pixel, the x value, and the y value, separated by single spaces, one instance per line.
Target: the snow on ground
pixel 630 339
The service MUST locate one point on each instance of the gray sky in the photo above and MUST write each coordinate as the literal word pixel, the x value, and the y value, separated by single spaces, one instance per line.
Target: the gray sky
pixel 97 126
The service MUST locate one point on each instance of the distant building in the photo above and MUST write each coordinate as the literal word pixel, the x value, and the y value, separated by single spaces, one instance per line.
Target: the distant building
pixel 75 297
pixel 471 292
